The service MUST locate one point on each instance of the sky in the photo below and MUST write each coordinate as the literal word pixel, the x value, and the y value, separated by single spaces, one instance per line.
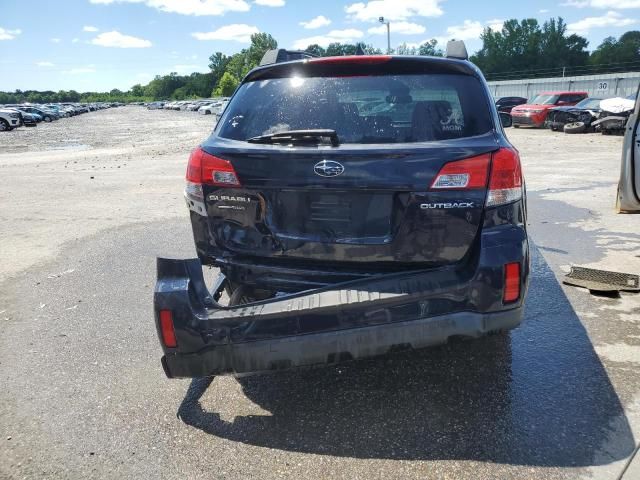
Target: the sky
pixel 97 45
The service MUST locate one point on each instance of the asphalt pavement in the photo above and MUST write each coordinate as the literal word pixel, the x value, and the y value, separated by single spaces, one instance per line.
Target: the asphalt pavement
pixel 84 395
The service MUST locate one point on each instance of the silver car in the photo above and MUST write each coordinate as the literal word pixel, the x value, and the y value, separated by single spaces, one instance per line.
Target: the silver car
pixel 628 198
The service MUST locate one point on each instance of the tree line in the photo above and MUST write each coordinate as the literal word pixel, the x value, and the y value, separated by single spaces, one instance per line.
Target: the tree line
pixel 521 49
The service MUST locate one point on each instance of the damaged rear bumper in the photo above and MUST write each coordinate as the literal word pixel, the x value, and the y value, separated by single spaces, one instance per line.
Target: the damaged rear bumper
pixel 344 321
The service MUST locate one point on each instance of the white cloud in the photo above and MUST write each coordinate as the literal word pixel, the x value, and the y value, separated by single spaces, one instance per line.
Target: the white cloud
pixel 469 30
pixel 55 40
pixel 237 32
pixel 9 34
pixel 543 10
pixel 617 4
pixel 81 70
pixel 393 9
pixel 188 7
pixel 495 24
pixel 318 22
pixel 609 19
pixel 270 3
pixel 89 28
pixel 401 28
pixel 75 40
pixel 45 64
pixel 119 40
pixel 343 36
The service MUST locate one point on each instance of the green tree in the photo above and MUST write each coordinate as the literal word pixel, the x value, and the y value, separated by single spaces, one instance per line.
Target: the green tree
pixel 227 85
pixel 625 49
pixel 316 49
pixel 137 90
pixel 430 48
pixel 523 48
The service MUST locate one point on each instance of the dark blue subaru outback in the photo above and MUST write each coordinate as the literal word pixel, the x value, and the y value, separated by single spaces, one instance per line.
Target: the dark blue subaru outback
pixel 354 206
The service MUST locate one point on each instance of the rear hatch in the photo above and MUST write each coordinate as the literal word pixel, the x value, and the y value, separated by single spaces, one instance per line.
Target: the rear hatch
pixel 391 166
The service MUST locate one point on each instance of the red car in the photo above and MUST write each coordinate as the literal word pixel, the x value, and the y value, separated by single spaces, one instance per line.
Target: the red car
pixel 534 113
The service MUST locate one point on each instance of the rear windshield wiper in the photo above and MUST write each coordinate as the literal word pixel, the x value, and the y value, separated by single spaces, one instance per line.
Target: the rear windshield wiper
pixel 298 136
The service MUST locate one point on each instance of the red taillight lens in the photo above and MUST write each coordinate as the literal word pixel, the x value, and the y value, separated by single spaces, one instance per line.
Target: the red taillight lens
pixel 206 168
pixel 463 174
pixel 505 181
pixel 354 59
pixel 167 330
pixel 511 282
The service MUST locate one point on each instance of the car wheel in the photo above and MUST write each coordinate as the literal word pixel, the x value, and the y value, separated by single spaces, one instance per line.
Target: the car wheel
pixel 575 127
pixel 47 118
pixel 4 125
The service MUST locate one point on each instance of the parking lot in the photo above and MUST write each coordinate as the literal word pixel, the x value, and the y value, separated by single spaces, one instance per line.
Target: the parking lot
pixel 88 203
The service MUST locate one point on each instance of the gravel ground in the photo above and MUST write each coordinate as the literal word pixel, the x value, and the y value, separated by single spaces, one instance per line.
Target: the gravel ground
pixel 84 395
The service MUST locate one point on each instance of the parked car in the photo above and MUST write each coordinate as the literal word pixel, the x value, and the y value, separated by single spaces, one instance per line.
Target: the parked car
pixel 578 116
pixel 614 114
pixel 505 104
pixel 349 215
pixel 628 195
pixel 30 119
pixel 534 113
pixel 155 105
pixel 210 108
pixel 47 115
pixel 9 119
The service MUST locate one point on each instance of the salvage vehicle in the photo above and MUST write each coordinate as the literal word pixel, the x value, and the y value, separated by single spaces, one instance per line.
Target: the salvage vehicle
pixel 578 118
pixel 354 206
pixel 628 195
pixel 9 119
pixel 614 114
pixel 534 113
pixel 506 104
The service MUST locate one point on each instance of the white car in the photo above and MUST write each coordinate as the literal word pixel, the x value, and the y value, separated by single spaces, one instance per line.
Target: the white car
pixel 9 119
pixel 210 108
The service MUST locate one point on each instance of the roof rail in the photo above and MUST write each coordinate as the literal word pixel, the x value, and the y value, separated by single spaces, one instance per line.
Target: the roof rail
pixel 280 55
pixel 456 49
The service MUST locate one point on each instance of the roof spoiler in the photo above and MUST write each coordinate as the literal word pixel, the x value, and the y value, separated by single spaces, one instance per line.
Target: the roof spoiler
pixel 456 49
pixel 280 55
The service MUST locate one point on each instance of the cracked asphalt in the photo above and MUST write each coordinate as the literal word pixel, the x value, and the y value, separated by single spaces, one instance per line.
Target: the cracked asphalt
pixel 84 395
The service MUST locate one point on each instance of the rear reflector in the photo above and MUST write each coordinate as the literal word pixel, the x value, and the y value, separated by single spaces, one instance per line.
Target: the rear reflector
pixel 354 59
pixel 505 182
pixel 463 174
pixel 166 327
pixel 206 168
pixel 511 282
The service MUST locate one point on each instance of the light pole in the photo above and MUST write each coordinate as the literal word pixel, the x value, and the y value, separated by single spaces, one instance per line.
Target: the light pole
pixel 382 20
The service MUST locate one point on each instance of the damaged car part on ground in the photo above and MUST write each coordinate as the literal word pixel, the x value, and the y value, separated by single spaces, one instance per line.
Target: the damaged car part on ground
pixel 354 206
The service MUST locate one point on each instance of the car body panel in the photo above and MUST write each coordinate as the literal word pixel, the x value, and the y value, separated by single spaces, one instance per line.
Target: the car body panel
pixel 534 114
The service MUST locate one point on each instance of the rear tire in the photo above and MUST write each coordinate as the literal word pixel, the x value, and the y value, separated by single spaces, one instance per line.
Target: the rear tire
pixel 575 127
pixel 47 118
pixel 4 125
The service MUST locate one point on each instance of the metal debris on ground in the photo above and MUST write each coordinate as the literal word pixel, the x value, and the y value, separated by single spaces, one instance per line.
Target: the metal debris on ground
pixel 602 280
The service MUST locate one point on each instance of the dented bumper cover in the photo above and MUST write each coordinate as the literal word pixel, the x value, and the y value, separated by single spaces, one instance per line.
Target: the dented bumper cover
pixel 348 320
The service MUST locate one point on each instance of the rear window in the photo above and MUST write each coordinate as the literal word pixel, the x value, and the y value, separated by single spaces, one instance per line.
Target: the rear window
pixel 361 109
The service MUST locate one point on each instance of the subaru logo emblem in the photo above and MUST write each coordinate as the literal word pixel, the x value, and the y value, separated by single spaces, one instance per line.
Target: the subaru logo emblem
pixel 328 168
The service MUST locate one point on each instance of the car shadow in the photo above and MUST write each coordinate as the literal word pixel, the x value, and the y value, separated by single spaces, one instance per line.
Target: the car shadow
pixel 537 396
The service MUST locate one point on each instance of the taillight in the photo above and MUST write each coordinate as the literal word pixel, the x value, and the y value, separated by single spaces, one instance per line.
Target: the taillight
pixel 167 330
pixel 511 282
pixel 206 168
pixel 463 174
pixel 505 181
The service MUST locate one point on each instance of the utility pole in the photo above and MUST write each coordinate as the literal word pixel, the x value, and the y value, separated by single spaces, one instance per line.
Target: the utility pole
pixel 386 22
